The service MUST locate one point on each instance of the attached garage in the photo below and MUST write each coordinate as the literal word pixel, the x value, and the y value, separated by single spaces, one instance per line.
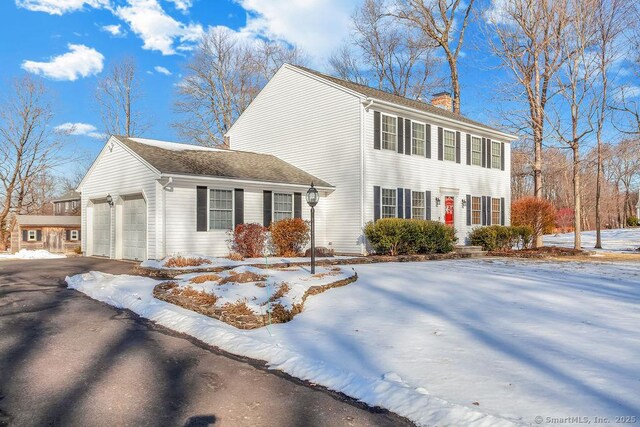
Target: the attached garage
pixel 101 229
pixel 134 228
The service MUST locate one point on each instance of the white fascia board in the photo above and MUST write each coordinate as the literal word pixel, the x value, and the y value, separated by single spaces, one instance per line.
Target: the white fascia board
pixel 204 178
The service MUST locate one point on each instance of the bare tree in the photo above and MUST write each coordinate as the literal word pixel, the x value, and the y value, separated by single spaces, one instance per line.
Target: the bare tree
pixel 27 148
pixel 443 22
pixel 222 78
pixel 526 36
pixel 118 96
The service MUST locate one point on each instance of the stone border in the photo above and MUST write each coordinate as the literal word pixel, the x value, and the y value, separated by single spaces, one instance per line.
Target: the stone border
pixel 279 314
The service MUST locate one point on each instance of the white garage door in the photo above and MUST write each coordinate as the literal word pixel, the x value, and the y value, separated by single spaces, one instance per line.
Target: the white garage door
pixel 101 229
pixel 134 228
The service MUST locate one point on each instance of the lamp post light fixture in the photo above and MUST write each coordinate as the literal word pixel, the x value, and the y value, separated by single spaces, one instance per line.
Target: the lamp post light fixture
pixel 437 201
pixel 312 199
pixel 110 200
pixel 464 203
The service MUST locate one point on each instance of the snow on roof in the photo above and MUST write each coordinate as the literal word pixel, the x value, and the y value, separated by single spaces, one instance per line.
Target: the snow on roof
pixel 173 146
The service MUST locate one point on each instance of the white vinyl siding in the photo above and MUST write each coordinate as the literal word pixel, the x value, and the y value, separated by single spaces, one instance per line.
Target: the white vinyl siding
pixel 476 151
pixel 417 138
pixel 495 155
pixel 476 211
pixel 220 209
pixel 417 205
pixel 495 212
pixel 389 209
pixel 389 132
pixel 449 141
pixel 282 206
pixel 31 235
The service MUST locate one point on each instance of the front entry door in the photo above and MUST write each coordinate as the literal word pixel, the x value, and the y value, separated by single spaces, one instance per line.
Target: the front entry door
pixel 448 210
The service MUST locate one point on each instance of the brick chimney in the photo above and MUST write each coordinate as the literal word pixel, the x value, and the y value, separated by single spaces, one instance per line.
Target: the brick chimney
pixel 442 100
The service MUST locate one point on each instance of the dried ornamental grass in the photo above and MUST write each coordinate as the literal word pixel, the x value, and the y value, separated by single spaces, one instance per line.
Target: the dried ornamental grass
pixel 180 261
pixel 204 278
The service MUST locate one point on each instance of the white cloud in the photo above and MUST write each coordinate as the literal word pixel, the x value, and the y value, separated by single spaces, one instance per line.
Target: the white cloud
pixel 162 70
pixel 114 30
pixel 182 5
pixel 156 28
pixel 80 61
pixel 81 129
pixel 59 7
pixel 318 27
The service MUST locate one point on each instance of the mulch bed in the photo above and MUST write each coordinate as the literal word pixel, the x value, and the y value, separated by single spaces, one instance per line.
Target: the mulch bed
pixel 543 252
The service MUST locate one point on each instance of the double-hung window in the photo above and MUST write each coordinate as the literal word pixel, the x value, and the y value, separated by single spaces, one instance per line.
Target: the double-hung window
pixel 417 138
pixel 32 235
pixel 417 205
pixel 495 212
pixel 389 132
pixel 495 155
pixel 449 139
pixel 389 203
pixel 220 209
pixel 476 211
pixel 476 151
pixel 282 206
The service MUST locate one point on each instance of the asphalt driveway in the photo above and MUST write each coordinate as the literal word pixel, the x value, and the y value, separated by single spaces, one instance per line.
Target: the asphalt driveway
pixel 66 359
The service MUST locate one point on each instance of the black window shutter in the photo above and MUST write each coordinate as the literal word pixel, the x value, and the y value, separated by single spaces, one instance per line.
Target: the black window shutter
pixel 79 235
pixel 407 203
pixel 67 234
pixel 483 210
pixel 468 209
pixel 488 153
pixel 502 211
pixel 38 235
pixel 489 210
pixel 400 132
pixel 428 142
pixel 297 205
pixel 376 203
pixel 201 208
pixel 440 142
pixel 427 204
pixel 400 202
pixel 25 235
pixel 239 207
pixel 468 149
pixel 457 147
pixel 502 156
pixel 376 130
pixel 407 137
pixel 483 149
pixel 266 208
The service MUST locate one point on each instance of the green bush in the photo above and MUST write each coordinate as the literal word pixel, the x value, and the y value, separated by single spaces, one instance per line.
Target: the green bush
pixel 633 221
pixel 397 236
pixel 501 238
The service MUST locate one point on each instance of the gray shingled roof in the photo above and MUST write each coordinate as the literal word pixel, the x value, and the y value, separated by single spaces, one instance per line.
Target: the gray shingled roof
pixel 396 99
pixel 53 220
pixel 186 159
pixel 69 195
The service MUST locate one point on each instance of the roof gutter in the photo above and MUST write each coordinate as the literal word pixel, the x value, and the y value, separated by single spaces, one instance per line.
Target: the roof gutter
pixel 501 135
pixel 245 181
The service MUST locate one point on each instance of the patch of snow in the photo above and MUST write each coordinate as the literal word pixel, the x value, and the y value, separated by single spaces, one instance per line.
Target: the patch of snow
pixel 173 146
pixel 429 341
pixel 618 240
pixel 32 254
pixel 226 262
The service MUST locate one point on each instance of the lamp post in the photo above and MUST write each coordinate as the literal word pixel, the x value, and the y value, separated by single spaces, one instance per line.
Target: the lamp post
pixel 312 199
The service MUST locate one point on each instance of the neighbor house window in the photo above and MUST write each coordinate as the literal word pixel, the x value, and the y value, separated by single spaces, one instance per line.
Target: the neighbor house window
pixel 389 132
pixel 388 203
pixel 476 151
pixel 476 212
pixel 32 235
pixel 495 212
pixel 495 155
pixel 417 138
pixel 58 207
pixel 417 205
pixel 73 235
pixel 220 209
pixel 282 206
pixel 449 145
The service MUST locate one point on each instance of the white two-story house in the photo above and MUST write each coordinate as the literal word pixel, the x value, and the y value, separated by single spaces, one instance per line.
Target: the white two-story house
pixel 371 154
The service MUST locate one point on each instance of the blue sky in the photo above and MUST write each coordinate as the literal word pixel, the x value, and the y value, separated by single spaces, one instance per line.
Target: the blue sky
pixel 72 43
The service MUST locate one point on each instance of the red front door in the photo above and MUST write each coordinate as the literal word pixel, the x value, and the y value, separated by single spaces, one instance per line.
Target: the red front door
pixel 448 210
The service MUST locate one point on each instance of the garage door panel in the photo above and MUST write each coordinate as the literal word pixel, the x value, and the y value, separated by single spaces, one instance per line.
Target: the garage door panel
pixel 101 229
pixel 134 228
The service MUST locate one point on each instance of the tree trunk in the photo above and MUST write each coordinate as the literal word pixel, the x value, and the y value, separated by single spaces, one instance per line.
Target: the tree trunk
pixel 537 173
pixel 598 194
pixel 577 215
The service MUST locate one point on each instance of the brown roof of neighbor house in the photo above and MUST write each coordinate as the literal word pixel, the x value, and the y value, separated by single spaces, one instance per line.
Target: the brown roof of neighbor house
pixel 187 159
pixel 396 99
pixel 48 220
pixel 68 196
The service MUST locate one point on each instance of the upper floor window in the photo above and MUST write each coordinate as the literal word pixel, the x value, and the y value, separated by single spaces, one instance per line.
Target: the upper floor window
pixel 495 155
pixel 220 209
pixel 32 235
pixel 417 205
pixel 476 211
pixel 496 213
pixel 476 151
pixel 449 138
pixel 388 203
pixel 417 138
pixel 73 235
pixel 389 132
pixel 58 207
pixel 282 206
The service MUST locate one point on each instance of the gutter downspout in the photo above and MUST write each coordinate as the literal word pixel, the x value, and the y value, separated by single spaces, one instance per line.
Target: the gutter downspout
pixel 164 217
pixel 364 109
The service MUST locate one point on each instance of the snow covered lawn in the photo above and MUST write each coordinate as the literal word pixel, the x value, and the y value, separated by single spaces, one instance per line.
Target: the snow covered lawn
pixel 27 254
pixel 620 240
pixel 473 342
pixel 226 262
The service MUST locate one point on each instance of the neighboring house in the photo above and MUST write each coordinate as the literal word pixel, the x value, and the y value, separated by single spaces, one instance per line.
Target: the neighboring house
pixel 143 198
pixel 371 154
pixel 49 232
pixel 67 204
pixel 386 155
